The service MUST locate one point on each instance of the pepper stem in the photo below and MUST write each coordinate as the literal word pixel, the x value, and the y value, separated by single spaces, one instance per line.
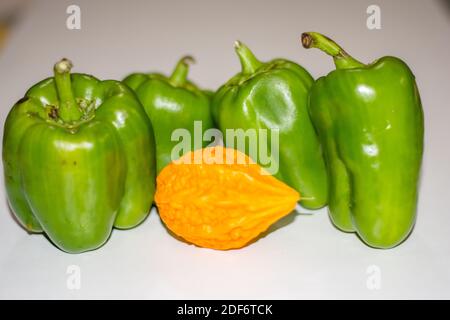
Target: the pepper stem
pixel 179 74
pixel 342 59
pixel 68 110
pixel 248 60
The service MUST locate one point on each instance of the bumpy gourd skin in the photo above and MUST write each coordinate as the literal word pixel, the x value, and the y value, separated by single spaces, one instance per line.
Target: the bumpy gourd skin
pixel 274 95
pixel 172 103
pixel 224 201
pixel 370 121
pixel 77 170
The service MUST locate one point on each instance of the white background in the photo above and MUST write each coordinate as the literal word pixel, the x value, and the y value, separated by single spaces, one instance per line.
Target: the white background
pixel 306 257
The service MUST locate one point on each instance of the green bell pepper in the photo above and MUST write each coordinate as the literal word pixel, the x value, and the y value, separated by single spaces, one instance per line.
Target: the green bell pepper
pixel 79 158
pixel 172 103
pixel 269 96
pixel 370 121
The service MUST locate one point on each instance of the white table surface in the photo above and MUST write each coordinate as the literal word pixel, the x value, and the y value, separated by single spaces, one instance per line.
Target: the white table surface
pixel 305 258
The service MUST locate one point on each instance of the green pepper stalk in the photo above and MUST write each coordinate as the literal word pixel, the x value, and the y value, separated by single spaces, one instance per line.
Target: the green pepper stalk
pixel 68 110
pixel 180 73
pixel 249 62
pixel 342 59
pixel 370 121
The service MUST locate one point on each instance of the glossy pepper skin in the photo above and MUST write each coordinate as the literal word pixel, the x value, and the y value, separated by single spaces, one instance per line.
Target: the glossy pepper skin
pixel 79 158
pixel 172 103
pixel 370 121
pixel 274 95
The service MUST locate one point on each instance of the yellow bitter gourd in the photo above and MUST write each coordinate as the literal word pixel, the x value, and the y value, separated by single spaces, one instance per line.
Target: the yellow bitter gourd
pixel 213 202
